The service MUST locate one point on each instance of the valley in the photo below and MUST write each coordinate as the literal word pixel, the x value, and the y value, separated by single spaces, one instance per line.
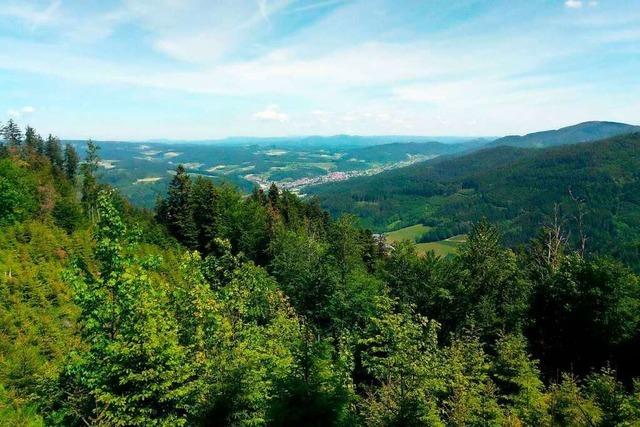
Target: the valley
pixel 142 171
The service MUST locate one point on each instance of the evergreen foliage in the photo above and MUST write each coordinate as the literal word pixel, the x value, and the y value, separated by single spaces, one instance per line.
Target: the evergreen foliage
pixel 263 310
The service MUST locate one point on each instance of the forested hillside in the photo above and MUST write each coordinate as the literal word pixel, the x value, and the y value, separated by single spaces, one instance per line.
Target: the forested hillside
pixel 221 309
pixel 591 188
pixel 582 132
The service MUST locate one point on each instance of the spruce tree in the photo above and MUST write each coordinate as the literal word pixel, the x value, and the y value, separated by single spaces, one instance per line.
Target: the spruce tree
pixel 11 134
pixel 53 151
pixel 89 180
pixel 71 160
pixel 179 211
pixel 30 141
pixel 203 201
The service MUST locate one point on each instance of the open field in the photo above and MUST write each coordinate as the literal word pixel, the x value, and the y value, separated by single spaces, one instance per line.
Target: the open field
pixel 443 247
pixel 408 233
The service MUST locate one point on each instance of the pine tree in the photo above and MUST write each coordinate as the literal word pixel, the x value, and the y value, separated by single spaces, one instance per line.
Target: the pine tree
pixel 203 201
pixel 53 151
pixel 179 211
pixel 273 195
pixel 71 160
pixel 30 141
pixel 89 180
pixel 11 134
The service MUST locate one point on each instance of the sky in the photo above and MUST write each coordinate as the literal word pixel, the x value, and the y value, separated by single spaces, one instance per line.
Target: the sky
pixel 202 69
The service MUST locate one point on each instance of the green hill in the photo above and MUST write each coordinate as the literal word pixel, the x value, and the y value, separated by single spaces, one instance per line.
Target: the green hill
pixel 582 132
pixel 222 309
pixel 514 187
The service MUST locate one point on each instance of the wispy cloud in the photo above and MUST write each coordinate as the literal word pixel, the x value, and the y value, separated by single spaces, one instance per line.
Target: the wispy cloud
pixel 32 15
pixel 17 113
pixel 336 66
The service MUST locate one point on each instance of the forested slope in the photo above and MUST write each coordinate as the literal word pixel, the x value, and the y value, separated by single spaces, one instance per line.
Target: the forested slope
pixel 582 132
pixel 592 187
pixel 222 309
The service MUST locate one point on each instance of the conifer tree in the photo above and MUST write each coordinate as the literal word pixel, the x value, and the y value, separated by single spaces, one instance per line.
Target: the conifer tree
pixel 89 180
pixel 71 161
pixel 30 141
pixel 53 151
pixel 273 195
pixel 178 210
pixel 203 201
pixel 11 134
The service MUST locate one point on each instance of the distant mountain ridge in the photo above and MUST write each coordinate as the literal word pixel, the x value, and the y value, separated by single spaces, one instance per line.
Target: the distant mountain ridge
pixel 581 132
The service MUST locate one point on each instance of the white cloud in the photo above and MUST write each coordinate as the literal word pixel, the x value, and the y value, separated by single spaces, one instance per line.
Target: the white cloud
pixel 271 113
pixel 573 4
pixel 20 112
pixel 32 16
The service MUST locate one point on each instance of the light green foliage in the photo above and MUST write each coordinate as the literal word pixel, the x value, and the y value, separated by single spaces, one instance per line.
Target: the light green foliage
pixel 18 197
pixel 402 354
pixel 471 398
pixel 569 407
pixel 518 380
pixel 135 370
pixel 284 316
pixel 37 316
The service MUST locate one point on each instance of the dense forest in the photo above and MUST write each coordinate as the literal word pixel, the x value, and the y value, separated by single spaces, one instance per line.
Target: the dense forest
pixel 220 308
pixel 591 188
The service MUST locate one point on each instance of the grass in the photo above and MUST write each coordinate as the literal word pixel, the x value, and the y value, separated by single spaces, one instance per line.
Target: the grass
pixel 443 247
pixel 408 233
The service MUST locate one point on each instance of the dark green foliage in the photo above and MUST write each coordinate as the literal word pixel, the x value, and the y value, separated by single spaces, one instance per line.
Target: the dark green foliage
pixel 67 214
pixel 11 134
pixel 90 186
pixel 71 161
pixel 53 151
pixel 176 212
pixel 294 318
pixel 585 313
pixel 594 185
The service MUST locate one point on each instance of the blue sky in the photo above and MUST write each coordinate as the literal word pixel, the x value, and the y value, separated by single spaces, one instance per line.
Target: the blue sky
pixel 196 69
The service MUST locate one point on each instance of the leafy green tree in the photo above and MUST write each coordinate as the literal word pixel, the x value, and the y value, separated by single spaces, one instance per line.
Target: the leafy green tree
pixel 320 390
pixel 471 396
pixel 67 214
pixel 609 394
pixel 31 141
pixel 585 314
pixel 204 203
pixel 135 370
pixel 71 160
pixel 569 407
pixel 302 265
pixel 18 198
pixel 400 352
pixel 493 295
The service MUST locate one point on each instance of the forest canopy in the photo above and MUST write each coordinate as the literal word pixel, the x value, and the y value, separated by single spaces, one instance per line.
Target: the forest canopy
pixel 220 308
